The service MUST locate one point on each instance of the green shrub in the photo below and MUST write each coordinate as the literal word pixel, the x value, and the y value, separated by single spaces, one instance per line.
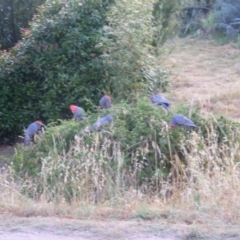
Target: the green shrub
pixel 55 65
pixel 165 21
pixel 15 15
pixel 220 18
pixel 132 41
pixel 192 14
pixel 73 53
pixel 226 19
pixel 138 151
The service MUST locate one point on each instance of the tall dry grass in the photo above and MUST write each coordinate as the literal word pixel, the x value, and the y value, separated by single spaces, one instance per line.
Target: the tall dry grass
pixel 93 182
pixel 212 177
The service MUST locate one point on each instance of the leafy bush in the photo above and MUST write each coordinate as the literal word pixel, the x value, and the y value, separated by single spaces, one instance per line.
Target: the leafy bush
pixel 138 151
pixel 225 18
pixel 132 40
pixel 165 21
pixel 192 14
pixel 55 65
pixel 220 18
pixel 72 54
pixel 15 15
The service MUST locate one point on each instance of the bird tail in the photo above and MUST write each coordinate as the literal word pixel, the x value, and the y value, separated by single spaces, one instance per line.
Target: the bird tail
pixel 27 140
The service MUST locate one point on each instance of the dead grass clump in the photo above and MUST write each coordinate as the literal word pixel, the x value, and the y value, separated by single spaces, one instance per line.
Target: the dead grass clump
pixel 212 177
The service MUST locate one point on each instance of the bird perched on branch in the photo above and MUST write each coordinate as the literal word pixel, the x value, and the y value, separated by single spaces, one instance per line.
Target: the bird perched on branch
pixel 105 102
pixel 31 131
pixel 98 125
pixel 78 113
pixel 180 120
pixel 159 100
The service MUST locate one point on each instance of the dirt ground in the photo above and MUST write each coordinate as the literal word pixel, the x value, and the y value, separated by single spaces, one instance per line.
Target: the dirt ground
pixel 6 151
pixel 38 228
pixel 57 228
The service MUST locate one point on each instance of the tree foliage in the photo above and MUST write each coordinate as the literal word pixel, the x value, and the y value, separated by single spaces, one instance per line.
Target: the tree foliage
pixel 192 14
pixel 220 18
pixel 55 65
pixel 73 53
pixel 15 14
pixel 165 20
pixel 127 43
pixel 225 18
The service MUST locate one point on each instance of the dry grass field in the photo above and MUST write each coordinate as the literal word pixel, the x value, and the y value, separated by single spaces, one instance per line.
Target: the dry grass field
pixel 204 74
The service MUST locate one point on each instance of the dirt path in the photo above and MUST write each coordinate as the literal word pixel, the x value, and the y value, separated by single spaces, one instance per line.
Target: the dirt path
pixel 205 74
pixel 57 228
pixel 67 229
pixel 50 236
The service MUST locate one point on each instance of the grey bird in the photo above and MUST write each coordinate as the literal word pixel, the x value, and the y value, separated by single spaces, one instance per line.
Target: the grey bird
pixel 98 125
pixel 180 120
pixel 105 102
pixel 159 100
pixel 78 113
pixel 31 130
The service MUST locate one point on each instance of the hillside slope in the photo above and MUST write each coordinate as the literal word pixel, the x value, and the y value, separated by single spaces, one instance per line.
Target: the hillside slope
pixel 206 75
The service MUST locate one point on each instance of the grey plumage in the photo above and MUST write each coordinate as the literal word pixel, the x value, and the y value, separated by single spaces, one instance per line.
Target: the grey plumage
pixel 98 125
pixel 181 120
pixel 160 100
pixel 30 131
pixel 78 112
pixel 105 102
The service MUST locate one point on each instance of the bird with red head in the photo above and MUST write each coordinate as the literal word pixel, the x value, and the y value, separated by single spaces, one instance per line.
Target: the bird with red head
pixel 78 112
